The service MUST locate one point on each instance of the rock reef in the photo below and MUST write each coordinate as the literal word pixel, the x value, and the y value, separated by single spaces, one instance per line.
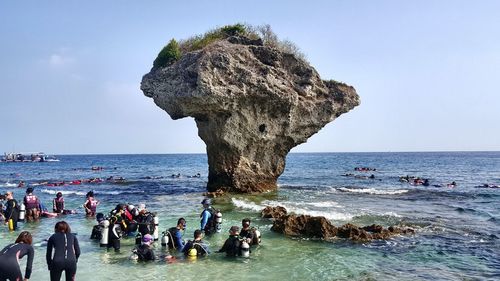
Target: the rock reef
pixel 251 103
pixel 320 227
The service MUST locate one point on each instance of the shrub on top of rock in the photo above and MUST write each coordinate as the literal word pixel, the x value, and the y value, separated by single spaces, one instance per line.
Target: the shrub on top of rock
pixel 168 55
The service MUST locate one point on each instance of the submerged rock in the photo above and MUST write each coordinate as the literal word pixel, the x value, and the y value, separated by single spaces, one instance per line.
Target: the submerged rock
pixel 252 104
pixel 320 227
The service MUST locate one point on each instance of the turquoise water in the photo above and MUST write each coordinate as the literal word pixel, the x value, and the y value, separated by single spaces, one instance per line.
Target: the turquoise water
pixel 457 235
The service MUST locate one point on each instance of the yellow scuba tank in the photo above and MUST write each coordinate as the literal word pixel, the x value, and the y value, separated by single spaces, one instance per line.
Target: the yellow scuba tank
pixel 192 252
pixel 11 224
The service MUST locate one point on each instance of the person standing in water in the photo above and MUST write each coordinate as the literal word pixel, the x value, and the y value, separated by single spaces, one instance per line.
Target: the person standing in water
pixel 58 203
pixel 207 217
pixel 32 204
pixel 90 205
pixel 12 209
pixel 66 252
pixel 10 256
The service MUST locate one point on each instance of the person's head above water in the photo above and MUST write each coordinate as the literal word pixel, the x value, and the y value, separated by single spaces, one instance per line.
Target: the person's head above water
pixel 181 223
pixel 29 190
pixel 59 195
pixel 245 222
pixel 147 239
pixel 197 234
pixel 234 230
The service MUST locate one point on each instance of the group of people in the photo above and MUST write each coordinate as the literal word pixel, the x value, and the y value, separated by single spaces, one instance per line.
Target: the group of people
pixel 62 254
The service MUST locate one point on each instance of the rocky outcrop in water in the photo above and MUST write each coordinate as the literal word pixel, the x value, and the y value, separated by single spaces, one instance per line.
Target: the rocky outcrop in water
pixel 252 104
pixel 320 227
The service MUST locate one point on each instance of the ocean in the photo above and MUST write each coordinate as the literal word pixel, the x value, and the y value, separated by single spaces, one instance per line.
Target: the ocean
pixel 457 228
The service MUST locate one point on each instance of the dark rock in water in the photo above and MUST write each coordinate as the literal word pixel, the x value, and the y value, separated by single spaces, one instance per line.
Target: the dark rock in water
pixel 252 104
pixel 320 227
pixel 305 226
pixel 273 212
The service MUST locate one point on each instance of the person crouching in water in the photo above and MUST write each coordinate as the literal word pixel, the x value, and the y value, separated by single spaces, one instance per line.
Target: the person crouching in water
pixel 32 204
pixel 66 252
pixel 90 204
pixel 58 203
pixel 232 246
pixel 175 233
pixel 196 247
pixel 144 251
pixel 11 254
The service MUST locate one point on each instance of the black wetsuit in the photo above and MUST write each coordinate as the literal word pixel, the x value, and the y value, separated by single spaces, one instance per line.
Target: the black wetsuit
pixel 200 246
pixel 97 232
pixel 12 212
pixel 232 246
pixel 65 257
pixel 247 234
pixel 9 266
pixel 145 253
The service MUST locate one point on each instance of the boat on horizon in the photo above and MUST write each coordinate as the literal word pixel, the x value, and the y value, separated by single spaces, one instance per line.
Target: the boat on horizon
pixel 28 157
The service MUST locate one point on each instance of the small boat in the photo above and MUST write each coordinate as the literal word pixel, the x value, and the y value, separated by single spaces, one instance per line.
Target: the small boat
pixel 28 157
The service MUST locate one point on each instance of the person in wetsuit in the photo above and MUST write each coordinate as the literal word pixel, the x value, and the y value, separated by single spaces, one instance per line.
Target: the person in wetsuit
pixel 12 209
pixel 207 217
pixel 232 245
pixel 175 233
pixel 246 232
pixel 66 252
pixel 116 228
pixel 144 251
pixel 197 244
pixel 10 255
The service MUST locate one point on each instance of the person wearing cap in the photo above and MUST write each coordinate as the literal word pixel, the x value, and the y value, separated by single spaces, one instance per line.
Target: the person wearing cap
pixel 175 233
pixel 12 209
pixel 144 251
pixel 98 228
pixel 207 223
pixel 32 204
pixel 232 245
pixel 58 203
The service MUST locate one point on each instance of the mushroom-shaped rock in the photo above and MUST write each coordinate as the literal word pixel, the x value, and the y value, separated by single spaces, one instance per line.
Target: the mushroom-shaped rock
pixel 252 103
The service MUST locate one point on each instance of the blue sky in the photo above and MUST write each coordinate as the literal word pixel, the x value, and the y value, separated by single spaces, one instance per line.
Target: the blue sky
pixel 427 71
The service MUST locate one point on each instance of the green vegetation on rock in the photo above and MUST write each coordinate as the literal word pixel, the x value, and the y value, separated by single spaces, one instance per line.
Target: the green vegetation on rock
pixel 173 51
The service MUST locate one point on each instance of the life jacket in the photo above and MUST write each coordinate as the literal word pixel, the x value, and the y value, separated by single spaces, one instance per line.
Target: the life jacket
pixel 210 226
pixel 31 202
pixel 59 204
pixel 128 215
pixel 92 204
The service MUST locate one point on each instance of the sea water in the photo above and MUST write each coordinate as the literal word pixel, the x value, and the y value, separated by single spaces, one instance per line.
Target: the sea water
pixel 457 229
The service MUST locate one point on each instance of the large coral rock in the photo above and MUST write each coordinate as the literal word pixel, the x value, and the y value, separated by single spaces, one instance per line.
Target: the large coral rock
pixel 251 103
pixel 304 225
pixel 273 212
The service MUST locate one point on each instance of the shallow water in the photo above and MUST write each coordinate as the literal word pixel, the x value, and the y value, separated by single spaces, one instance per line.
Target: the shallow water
pixel 458 229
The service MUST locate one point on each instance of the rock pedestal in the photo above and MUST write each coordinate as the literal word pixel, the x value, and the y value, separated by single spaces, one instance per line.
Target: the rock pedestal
pixel 251 103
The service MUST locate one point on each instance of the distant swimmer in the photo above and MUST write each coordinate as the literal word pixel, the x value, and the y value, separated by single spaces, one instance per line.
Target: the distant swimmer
pixel 175 176
pixel 452 184
pixel 487 186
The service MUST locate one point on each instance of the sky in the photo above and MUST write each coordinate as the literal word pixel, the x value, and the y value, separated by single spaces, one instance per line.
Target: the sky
pixel 427 72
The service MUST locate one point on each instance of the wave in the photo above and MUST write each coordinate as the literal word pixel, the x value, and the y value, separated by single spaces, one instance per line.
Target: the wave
pixel 373 191
pixel 8 184
pixel 293 208
pixel 69 192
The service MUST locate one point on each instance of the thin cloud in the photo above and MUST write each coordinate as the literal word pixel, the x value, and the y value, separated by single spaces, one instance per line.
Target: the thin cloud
pixel 60 60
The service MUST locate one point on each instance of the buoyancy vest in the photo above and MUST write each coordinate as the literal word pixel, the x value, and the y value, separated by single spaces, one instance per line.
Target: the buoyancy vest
pixel 31 202
pixel 172 241
pixel 92 204
pixel 210 226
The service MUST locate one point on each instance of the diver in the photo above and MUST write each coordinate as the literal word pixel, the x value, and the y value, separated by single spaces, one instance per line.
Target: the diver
pixel 246 232
pixel 145 221
pixel 32 204
pixel 11 254
pixel 58 203
pixel 144 251
pixel 97 229
pixel 232 246
pixel 196 247
pixel 207 223
pixel 11 211
pixel 115 228
pixel 175 233
pixel 66 252
pixel 90 204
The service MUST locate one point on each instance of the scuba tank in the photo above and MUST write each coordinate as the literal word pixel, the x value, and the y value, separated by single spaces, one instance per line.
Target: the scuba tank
pixel 164 239
pixel 11 225
pixel 257 237
pixel 105 233
pixel 155 232
pixel 22 212
pixel 138 239
pixel 245 249
pixel 192 253
pixel 218 221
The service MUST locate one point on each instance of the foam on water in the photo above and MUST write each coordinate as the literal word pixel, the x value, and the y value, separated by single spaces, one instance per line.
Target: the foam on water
pixel 373 191
pixel 8 184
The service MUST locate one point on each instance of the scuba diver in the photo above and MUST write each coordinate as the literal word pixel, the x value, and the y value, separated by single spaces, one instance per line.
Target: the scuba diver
pixel 11 211
pixel 32 204
pixel 196 247
pixel 145 221
pixel 115 228
pixel 11 254
pixel 66 252
pixel 58 203
pixel 175 240
pixel 208 222
pixel 232 246
pixel 90 204
pixel 97 229
pixel 144 251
